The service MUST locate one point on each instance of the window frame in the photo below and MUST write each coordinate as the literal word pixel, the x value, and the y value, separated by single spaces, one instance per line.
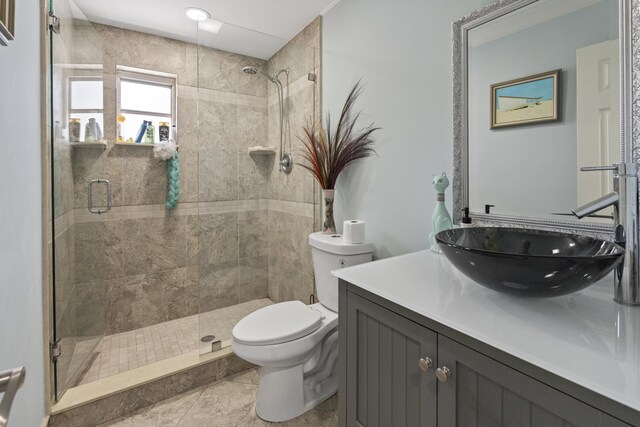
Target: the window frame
pixel 151 78
pixel 76 78
pixel 81 72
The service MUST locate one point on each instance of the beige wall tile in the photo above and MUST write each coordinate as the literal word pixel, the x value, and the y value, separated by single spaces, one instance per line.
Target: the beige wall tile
pixel 253 231
pixel 218 125
pixel 218 238
pixel 218 175
pixel 154 244
pixel 253 279
pixel 221 70
pixel 218 285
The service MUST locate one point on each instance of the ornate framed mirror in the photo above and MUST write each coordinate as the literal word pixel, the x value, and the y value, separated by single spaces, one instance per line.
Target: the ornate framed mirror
pixel 541 89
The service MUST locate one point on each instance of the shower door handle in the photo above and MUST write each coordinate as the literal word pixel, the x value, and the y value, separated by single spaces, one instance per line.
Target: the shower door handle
pixel 90 196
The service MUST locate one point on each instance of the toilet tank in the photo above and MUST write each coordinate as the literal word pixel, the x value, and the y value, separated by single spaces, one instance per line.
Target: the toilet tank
pixel 330 253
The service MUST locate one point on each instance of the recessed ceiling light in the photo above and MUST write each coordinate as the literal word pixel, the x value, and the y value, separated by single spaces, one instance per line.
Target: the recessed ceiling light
pixel 197 14
pixel 210 26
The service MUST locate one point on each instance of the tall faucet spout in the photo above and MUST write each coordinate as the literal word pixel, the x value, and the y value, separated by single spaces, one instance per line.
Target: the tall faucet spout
pixel 626 225
pixel 590 208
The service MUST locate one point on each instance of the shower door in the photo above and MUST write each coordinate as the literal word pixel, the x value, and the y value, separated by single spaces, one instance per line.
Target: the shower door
pixel 80 195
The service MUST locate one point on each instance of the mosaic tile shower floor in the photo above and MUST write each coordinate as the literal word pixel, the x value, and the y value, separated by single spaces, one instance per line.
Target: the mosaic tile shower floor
pixel 134 349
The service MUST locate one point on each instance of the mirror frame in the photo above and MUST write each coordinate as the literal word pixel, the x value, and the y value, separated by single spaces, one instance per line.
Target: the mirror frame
pixel 629 25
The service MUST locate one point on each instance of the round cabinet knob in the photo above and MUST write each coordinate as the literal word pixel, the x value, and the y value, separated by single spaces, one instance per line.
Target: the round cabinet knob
pixel 443 374
pixel 425 363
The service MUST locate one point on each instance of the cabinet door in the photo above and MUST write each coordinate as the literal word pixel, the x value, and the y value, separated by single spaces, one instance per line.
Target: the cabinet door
pixel 483 392
pixel 385 385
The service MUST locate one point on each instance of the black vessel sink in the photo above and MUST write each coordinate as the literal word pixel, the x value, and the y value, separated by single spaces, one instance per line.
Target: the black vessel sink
pixel 530 263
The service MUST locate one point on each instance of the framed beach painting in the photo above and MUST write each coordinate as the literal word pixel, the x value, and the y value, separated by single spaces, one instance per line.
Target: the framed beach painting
pixel 531 99
pixel 7 21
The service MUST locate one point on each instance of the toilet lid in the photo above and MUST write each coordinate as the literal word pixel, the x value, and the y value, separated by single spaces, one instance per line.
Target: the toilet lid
pixel 277 323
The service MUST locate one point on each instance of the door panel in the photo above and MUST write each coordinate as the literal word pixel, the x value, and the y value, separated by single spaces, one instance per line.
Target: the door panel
pixel 79 240
pixel 598 117
pixel 385 385
pixel 483 392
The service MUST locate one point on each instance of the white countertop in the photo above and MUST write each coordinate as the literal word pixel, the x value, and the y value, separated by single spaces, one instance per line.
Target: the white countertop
pixel 584 337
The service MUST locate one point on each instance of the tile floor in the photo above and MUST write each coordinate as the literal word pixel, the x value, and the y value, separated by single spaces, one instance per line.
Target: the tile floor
pixel 133 349
pixel 226 403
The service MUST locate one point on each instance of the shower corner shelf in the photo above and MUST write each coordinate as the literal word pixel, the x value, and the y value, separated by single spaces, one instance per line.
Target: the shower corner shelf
pixel 100 145
pixel 259 150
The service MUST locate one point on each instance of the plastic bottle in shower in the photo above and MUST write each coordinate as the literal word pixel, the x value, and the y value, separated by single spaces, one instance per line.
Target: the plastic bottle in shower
pixel 95 129
pixel 174 134
pixel 141 131
pixel 88 133
pixel 150 134
pixel 121 120
pixel 163 132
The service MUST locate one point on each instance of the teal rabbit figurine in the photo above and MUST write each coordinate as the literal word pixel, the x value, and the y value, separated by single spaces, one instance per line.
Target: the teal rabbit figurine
pixel 441 219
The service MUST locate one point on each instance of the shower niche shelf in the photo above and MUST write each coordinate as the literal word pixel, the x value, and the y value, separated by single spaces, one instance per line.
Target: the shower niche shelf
pixel 262 151
pixel 100 145
pixel 137 144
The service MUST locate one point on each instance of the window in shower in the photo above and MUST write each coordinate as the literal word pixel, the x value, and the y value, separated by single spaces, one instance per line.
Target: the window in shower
pixel 85 109
pixel 145 95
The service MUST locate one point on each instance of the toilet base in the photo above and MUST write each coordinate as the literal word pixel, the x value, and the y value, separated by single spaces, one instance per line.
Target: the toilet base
pixel 284 393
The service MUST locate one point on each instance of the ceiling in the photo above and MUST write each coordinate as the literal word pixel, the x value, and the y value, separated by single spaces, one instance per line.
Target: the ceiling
pixel 257 28
pixel 526 17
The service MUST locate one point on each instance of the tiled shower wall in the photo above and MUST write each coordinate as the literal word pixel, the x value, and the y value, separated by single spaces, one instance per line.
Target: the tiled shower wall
pixel 235 210
pixel 210 251
pixel 293 198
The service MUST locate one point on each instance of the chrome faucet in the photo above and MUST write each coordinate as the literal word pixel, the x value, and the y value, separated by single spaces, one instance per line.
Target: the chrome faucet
pixel 624 200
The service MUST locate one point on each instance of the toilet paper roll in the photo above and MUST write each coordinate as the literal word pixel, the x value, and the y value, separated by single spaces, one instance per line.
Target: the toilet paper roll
pixel 353 232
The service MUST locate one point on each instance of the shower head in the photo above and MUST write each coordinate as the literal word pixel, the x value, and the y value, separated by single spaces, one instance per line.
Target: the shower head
pixel 250 70
pixel 253 70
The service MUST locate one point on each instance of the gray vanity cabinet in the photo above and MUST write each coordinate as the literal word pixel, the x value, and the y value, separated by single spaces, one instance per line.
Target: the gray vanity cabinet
pixel 384 383
pixel 482 392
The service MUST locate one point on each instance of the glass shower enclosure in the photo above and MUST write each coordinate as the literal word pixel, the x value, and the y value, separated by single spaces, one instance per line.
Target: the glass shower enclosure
pixel 134 281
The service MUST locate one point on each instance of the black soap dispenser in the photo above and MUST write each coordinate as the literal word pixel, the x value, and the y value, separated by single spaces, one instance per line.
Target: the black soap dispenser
pixel 465 222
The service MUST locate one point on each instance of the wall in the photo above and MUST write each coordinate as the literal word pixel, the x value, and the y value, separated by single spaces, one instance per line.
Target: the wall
pixel 402 50
pixel 293 198
pixel 21 304
pixel 498 154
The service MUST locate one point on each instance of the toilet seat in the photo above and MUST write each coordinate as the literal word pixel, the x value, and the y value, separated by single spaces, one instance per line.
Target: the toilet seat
pixel 277 323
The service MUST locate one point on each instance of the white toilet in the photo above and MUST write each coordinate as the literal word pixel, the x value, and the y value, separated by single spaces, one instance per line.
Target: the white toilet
pixel 296 345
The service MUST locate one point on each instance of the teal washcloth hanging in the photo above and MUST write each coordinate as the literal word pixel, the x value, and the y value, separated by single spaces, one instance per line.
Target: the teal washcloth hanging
pixel 173 172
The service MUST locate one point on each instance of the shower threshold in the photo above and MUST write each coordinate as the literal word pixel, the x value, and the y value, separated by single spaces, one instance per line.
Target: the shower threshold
pixel 134 349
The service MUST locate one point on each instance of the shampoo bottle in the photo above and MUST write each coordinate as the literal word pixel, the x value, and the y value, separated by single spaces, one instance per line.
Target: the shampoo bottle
pixel 150 137
pixel 141 131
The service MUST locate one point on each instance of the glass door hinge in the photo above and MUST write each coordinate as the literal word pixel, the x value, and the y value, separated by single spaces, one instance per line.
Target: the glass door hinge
pixel 53 22
pixel 55 351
